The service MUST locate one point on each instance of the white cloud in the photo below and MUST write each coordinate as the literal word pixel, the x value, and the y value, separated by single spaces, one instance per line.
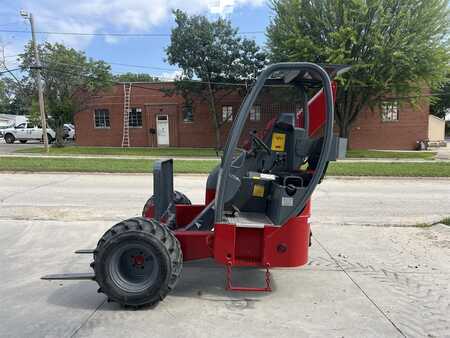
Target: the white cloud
pixel 170 76
pixel 224 7
pixel 98 16
pixel 111 39
pixel 10 48
pixel 89 16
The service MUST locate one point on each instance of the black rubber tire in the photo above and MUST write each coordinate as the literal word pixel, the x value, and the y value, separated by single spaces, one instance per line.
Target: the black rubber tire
pixel 159 241
pixel 23 141
pixel 9 138
pixel 178 197
pixel 50 139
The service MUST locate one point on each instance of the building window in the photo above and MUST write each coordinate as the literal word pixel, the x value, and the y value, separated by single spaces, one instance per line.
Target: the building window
pixel 255 113
pixel 227 113
pixel 135 118
pixel 188 114
pixel 102 118
pixel 389 111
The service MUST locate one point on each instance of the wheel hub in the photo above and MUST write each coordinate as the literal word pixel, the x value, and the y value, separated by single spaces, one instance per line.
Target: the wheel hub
pixel 138 260
pixel 133 267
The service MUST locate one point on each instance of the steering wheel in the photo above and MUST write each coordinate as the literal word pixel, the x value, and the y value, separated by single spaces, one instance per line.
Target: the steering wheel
pixel 260 143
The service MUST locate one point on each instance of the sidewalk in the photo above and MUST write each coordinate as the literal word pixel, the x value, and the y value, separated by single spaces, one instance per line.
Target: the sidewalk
pixel 116 157
pixel 443 153
pixel 443 158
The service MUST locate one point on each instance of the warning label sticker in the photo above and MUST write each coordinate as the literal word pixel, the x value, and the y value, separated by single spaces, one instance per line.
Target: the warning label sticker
pixel 278 141
pixel 287 202
pixel 258 190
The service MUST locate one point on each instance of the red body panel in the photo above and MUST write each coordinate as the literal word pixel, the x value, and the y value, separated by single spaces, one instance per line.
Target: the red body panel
pixel 317 109
pixel 209 195
pixel 185 213
pixel 195 244
pixel 275 246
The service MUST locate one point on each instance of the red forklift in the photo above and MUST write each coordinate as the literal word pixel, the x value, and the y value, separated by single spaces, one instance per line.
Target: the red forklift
pixel 257 200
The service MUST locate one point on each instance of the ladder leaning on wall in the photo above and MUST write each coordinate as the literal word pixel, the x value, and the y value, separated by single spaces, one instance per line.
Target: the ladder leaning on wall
pixel 126 114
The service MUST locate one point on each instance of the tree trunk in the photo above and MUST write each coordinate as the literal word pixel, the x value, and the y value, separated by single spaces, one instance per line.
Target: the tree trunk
pixel 212 108
pixel 59 141
pixel 344 129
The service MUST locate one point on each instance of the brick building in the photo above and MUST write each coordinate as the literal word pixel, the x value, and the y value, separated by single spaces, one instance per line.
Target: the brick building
pixel 156 119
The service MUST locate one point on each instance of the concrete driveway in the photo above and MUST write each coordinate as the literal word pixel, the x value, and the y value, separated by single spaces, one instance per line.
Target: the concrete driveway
pixel 367 276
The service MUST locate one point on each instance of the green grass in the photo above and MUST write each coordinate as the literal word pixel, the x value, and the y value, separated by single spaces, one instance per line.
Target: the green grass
pixel 36 164
pixel 426 169
pixel 132 151
pixel 446 221
pixel 358 153
pixel 204 152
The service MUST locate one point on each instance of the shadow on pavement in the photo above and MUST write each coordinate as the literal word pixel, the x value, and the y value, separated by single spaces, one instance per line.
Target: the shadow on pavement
pixel 204 280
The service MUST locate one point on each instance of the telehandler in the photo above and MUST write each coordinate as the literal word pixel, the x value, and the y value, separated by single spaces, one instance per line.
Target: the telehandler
pixel 257 200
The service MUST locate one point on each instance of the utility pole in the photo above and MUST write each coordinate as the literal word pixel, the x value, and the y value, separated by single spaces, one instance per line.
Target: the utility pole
pixel 38 68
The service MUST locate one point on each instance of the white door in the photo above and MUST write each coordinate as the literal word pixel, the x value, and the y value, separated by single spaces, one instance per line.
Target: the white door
pixel 21 131
pixel 36 133
pixel 162 130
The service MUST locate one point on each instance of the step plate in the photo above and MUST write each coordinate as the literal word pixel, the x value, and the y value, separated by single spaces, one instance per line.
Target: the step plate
pixel 70 276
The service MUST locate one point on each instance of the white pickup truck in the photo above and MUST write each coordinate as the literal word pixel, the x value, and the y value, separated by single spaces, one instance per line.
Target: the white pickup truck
pixel 24 132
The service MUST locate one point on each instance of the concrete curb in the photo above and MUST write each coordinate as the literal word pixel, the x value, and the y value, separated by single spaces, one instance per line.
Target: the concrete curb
pixel 208 158
pixel 113 157
pixel 354 178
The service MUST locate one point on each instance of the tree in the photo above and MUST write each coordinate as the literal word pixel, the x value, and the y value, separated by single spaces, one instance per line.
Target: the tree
pixel 69 77
pixel 395 47
pixel 4 99
pixel 213 53
pixel 16 95
pixel 34 116
pixel 441 104
pixel 135 77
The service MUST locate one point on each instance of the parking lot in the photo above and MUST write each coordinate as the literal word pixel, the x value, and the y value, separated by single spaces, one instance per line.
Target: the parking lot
pixel 374 270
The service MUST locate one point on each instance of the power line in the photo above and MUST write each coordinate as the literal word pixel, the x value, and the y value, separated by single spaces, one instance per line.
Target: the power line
pixel 198 81
pixel 119 64
pixel 248 84
pixel 9 23
pixel 108 34
pixel 10 70
pixel 139 66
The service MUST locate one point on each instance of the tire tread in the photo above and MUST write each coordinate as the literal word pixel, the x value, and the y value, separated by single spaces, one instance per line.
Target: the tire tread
pixel 158 231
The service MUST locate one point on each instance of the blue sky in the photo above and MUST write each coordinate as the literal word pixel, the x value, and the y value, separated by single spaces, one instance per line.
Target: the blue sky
pixel 121 16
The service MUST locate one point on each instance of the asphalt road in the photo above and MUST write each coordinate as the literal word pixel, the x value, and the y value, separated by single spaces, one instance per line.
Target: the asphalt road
pixel 6 148
pixel 367 276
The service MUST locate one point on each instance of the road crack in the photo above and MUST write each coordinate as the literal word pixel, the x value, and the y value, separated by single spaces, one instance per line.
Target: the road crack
pixel 361 289
pixel 87 319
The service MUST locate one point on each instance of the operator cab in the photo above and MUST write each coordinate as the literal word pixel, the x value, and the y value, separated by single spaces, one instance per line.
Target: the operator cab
pixel 274 174
pixel 271 178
